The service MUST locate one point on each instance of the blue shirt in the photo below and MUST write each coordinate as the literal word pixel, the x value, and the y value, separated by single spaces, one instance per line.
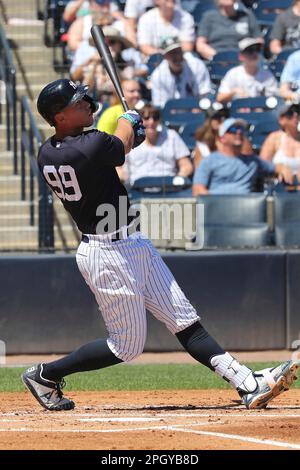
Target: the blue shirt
pixel 231 175
pixel 291 70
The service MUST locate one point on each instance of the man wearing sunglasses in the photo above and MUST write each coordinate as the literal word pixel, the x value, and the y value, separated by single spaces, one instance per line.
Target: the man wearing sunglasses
pixel 228 171
pixel 249 79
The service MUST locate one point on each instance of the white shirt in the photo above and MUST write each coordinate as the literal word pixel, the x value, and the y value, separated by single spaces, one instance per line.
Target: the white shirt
pixel 263 83
pixel 157 160
pixel 193 81
pixel 135 8
pixel 152 28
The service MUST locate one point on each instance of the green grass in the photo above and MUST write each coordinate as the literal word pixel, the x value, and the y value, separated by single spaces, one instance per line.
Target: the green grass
pixel 133 377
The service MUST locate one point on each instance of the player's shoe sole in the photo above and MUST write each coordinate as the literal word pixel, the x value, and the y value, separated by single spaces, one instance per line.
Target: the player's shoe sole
pixel 283 378
pixel 47 393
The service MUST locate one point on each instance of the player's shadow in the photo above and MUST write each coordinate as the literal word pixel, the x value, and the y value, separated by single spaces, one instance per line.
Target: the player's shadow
pixel 236 403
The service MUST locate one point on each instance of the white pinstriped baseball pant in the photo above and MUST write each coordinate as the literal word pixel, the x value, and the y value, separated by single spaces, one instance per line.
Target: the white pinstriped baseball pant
pixel 127 277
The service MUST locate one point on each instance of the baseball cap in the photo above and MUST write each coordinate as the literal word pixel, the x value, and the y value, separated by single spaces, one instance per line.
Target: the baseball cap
pixel 247 43
pixel 228 123
pixel 286 107
pixel 169 44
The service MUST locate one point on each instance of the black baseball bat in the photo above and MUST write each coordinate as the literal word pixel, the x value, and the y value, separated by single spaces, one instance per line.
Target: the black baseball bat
pixel 108 62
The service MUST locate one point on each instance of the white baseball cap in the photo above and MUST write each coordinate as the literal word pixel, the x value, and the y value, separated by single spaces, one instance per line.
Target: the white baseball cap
pixel 248 42
pixel 230 122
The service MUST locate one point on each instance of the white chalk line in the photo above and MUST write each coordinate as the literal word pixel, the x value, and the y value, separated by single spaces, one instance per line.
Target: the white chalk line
pixel 238 438
pixel 164 428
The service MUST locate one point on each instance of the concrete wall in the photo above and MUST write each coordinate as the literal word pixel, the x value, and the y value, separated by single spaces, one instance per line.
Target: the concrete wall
pixel 247 300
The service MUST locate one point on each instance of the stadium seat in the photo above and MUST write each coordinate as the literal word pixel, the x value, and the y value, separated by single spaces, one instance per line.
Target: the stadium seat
pixel 201 8
pixel 255 110
pixel 221 63
pixel 278 63
pixel 179 112
pixel 260 131
pixel 238 236
pixel 187 132
pixel 158 186
pixel 287 219
pixel 267 10
pixel 153 61
pixel 236 221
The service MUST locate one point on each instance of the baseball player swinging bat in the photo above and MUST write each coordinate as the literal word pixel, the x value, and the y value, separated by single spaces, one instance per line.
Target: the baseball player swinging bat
pixel 108 62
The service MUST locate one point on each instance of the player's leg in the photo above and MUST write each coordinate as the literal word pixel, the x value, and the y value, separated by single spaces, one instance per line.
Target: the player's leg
pixel 118 293
pixel 167 302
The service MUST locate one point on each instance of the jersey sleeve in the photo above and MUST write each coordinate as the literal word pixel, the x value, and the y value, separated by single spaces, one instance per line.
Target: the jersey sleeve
pixel 105 148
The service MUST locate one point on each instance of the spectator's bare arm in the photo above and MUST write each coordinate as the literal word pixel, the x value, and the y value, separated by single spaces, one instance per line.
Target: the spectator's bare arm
pixel 185 167
pixel 130 30
pixel 187 46
pixel 199 189
pixel 269 148
pixel 71 10
pixel 75 34
pixel 204 49
pixel 275 46
pixel 287 93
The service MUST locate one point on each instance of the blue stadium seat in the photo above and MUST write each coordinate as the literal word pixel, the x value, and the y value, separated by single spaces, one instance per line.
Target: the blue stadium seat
pixel 178 112
pixel 221 63
pixel 187 132
pixel 260 131
pixel 201 8
pixel 278 63
pixel 287 219
pixel 266 10
pixel 153 61
pixel 254 110
pixel 235 221
pixel 160 186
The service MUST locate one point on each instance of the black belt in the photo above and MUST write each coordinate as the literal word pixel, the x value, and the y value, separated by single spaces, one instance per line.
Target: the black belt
pixel 114 237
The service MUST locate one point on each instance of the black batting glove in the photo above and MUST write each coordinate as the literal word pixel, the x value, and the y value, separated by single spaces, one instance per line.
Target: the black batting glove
pixel 136 121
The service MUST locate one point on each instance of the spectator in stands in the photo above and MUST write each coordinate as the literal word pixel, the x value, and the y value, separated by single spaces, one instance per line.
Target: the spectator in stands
pixel 283 146
pixel 108 119
pixel 87 67
pixel 228 171
pixel 206 136
pixel 223 28
pixel 78 8
pixel 133 11
pixel 179 75
pixel 249 79
pixel 165 21
pixel 80 29
pixel 290 78
pixel 163 153
pixel 286 29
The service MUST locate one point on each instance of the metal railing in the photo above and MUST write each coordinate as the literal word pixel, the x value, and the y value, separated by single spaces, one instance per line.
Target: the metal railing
pixel 8 77
pixel 31 140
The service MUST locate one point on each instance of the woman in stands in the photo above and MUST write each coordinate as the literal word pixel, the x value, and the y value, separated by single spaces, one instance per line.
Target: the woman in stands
pixel 207 135
pixel 283 146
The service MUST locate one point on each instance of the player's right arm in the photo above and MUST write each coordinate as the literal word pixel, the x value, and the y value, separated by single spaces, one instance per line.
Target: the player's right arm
pixel 125 133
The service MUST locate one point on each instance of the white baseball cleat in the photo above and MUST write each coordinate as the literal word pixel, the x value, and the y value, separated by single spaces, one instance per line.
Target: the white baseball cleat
pixel 270 383
pixel 48 393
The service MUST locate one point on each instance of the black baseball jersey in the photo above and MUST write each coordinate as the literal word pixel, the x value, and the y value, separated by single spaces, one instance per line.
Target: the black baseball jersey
pixel 81 171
